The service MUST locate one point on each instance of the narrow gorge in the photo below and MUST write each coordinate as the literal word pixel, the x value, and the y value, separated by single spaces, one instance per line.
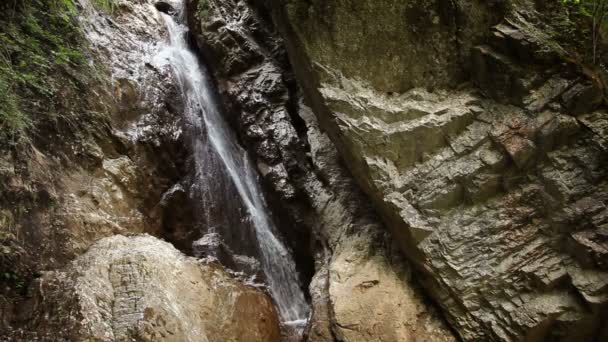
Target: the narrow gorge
pixel 303 170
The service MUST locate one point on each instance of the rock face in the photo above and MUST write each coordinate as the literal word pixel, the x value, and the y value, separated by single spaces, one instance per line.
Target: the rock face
pixel 139 288
pixel 151 165
pixel 461 127
pixel 109 176
pixel 392 54
pixel 496 191
pixel 370 292
pixel 361 289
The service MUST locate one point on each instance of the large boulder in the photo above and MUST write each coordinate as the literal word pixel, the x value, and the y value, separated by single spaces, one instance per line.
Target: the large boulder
pixel 143 289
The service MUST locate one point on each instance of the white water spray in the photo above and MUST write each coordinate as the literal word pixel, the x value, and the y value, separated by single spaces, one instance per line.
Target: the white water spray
pixel 203 114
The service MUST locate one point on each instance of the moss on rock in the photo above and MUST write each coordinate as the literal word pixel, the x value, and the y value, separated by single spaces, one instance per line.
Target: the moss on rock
pixel 45 110
pixel 43 69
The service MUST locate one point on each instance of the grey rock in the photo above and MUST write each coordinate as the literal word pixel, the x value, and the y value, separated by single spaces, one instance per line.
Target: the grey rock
pixel 110 177
pixel 582 98
pixel 361 289
pixel 481 194
pixel 140 288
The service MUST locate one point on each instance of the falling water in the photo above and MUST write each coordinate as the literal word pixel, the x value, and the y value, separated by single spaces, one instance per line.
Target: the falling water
pixel 211 134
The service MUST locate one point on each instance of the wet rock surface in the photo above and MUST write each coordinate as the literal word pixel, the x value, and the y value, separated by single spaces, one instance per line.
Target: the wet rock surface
pixel 488 188
pixel 314 195
pixel 139 288
pixel 112 181
pixel 468 134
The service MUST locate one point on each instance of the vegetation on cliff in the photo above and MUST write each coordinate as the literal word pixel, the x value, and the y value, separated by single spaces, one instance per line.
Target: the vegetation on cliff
pixel 582 26
pixel 45 104
pixel 42 67
pixel 107 6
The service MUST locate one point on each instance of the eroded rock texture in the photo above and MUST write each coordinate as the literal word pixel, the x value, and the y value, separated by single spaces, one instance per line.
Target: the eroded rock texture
pixel 480 143
pixel 361 288
pixel 139 288
pixel 108 176
pixel 495 190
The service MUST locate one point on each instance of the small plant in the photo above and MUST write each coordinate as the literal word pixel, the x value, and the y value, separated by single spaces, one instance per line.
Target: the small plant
pixel 203 9
pixel 597 10
pixel 13 279
pixel 13 122
pixel 40 52
pixel 107 6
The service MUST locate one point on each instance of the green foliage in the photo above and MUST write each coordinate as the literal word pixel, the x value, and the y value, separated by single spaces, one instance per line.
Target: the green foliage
pixel 40 47
pixel 14 279
pixel 597 12
pixel 12 120
pixel 203 9
pixel 107 6
pixel 590 8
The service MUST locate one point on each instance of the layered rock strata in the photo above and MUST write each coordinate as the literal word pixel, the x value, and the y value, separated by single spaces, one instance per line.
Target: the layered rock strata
pixel 361 289
pixel 495 190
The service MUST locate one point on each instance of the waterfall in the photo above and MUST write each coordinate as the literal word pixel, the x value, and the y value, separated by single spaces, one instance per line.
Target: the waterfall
pixel 222 162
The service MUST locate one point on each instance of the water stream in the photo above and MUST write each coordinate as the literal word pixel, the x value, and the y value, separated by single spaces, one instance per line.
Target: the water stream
pixel 222 163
